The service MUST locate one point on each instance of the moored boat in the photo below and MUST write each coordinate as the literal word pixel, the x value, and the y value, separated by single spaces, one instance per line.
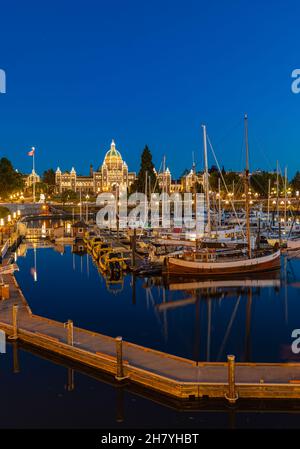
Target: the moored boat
pixel 293 244
pixel 210 262
pixel 207 263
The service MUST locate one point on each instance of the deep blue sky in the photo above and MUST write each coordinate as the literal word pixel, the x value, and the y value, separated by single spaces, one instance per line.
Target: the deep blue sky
pixel 80 73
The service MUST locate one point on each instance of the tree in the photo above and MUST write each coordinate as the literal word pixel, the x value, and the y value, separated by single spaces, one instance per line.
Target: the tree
pixel 213 180
pixel 68 195
pixel 213 169
pixel 296 181
pixel 49 177
pixel 10 180
pixel 229 177
pixel 4 212
pixel 41 187
pixel 147 166
pixel 260 182
pixel 232 178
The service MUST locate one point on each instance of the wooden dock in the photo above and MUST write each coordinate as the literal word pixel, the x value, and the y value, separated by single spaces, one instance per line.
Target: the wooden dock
pixel 170 375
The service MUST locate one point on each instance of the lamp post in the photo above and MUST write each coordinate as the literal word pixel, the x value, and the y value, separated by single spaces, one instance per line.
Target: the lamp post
pixel 1 229
pixel 87 208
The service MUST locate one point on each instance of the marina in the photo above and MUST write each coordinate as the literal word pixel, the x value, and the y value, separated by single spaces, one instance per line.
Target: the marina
pixel 170 375
pixel 149 220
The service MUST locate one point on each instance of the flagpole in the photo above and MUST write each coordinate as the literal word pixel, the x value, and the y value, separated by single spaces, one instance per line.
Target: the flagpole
pixel 33 172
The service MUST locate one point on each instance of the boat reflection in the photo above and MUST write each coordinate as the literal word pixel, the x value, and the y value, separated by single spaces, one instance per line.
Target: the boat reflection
pixel 203 319
pixel 209 292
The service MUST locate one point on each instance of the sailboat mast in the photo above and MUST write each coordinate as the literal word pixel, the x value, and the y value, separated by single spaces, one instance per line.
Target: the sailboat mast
pixel 269 195
pixel 219 201
pixel 285 197
pixel 247 187
pixel 206 183
pixel 277 191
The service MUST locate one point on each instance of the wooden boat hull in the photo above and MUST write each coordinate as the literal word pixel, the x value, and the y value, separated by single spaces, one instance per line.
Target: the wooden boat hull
pixel 180 266
pixel 293 245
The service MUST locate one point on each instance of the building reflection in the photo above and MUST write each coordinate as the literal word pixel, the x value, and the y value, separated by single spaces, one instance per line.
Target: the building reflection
pixel 204 295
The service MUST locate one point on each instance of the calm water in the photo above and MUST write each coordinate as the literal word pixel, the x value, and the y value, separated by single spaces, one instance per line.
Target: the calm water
pixel 200 323
pixel 255 323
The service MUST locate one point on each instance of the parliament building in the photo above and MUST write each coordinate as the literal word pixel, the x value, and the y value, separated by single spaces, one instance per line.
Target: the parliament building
pixel 112 174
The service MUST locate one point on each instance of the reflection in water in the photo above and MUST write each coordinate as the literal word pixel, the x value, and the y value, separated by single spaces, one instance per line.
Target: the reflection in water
pixel 94 399
pixel 202 320
pixel 198 319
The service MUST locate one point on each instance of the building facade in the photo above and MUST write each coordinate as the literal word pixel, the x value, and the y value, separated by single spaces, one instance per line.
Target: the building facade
pixel 31 179
pixel 184 184
pixel 111 175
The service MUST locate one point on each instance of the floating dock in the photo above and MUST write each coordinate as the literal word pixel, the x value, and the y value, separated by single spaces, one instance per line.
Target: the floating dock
pixel 173 376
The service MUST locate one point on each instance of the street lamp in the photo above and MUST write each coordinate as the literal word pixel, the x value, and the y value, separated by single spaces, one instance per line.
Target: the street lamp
pixel 1 229
pixel 87 210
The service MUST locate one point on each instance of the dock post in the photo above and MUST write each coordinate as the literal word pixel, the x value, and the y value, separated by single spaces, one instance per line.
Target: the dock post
pixel 16 368
pixel 231 396
pixel 70 332
pixel 133 248
pixel 119 357
pixel 120 403
pixel 71 384
pixel 14 335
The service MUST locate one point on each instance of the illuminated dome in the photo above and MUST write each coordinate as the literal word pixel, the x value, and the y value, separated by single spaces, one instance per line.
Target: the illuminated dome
pixel 113 155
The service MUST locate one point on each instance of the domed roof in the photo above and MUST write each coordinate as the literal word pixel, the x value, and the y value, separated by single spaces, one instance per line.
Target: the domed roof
pixel 113 155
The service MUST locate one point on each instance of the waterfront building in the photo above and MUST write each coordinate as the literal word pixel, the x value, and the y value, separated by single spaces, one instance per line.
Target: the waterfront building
pixel 164 180
pixel 79 229
pixel 112 174
pixel 31 179
pixel 189 181
pixel 185 184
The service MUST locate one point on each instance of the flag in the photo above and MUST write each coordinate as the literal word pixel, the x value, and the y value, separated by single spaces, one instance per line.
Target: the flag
pixel 31 153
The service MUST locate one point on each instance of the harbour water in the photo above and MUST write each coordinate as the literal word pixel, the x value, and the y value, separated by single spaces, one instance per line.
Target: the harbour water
pixel 253 320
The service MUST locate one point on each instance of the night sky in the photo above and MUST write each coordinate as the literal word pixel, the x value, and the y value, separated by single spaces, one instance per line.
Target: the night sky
pixel 81 73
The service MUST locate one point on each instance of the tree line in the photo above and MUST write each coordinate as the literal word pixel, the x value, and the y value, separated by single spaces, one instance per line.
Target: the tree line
pixel 12 181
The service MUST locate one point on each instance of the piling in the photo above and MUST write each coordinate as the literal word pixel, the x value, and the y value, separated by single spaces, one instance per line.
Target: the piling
pixel 14 335
pixel 133 248
pixel 16 365
pixel 71 383
pixel 119 356
pixel 231 395
pixel 70 331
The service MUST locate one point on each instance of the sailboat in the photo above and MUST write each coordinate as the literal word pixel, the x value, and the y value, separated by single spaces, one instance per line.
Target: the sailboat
pixel 213 262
